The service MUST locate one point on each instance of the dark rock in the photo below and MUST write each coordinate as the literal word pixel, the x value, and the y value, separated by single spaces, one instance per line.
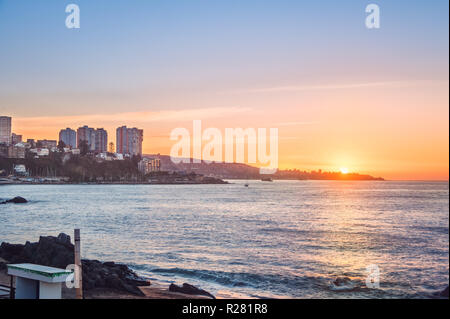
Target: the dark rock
pixel 109 264
pixel 28 250
pixel 10 251
pixel 59 252
pixel 341 281
pixel 50 251
pixel 190 290
pixel 64 239
pixel 15 200
pixel 444 293
pixel 344 284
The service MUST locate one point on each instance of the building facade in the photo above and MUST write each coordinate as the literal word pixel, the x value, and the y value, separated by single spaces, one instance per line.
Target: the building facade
pixel 129 140
pixel 97 139
pixel 69 137
pixel 47 144
pixel 87 134
pixel 15 139
pixel 16 151
pixel 149 165
pixel 101 140
pixel 5 129
pixel 122 140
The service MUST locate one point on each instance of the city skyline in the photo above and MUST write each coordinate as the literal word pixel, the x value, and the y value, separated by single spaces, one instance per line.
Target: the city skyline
pixel 158 151
pixel 96 139
pixel 342 96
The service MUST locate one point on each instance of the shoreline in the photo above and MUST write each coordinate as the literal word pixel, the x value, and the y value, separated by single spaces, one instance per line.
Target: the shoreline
pixel 101 280
pixel 112 183
pixel 218 182
pixel 155 291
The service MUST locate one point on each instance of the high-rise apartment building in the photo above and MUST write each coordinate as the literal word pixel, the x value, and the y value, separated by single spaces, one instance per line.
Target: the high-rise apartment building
pixel 87 134
pixel 5 129
pixel 69 137
pixel 122 140
pixel 101 140
pixel 129 140
pixel 97 139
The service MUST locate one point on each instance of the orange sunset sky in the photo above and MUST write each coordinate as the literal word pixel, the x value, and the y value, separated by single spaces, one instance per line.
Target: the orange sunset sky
pixel 373 101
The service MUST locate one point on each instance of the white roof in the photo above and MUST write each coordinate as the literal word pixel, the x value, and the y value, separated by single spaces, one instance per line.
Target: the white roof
pixel 38 272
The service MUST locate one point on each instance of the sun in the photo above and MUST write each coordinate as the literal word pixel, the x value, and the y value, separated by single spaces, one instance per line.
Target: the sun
pixel 344 170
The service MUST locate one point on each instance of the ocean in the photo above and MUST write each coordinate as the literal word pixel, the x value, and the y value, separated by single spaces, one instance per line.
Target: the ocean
pixel 286 239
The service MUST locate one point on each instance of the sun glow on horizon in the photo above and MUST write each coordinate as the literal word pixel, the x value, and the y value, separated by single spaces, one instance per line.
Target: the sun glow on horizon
pixel 344 170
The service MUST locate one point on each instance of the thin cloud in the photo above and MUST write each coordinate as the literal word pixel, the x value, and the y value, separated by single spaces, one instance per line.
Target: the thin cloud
pixel 295 123
pixel 300 88
pixel 49 126
pixel 135 117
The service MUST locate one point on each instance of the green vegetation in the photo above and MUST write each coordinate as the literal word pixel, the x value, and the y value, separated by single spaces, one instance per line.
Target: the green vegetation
pixel 78 169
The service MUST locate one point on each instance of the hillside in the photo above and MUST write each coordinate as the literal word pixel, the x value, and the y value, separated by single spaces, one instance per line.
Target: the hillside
pixel 244 171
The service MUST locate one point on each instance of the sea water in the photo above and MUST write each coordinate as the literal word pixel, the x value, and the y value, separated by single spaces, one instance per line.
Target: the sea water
pixel 286 239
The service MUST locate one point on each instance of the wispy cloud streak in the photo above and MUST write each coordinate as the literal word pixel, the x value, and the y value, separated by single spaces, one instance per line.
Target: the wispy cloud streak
pixel 299 88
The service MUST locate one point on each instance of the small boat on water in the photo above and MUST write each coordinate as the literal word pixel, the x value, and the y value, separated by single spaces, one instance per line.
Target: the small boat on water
pixel 267 179
pixel 4 181
pixel 246 185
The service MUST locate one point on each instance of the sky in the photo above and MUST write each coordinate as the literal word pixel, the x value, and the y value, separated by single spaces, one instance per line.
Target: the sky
pixel 375 101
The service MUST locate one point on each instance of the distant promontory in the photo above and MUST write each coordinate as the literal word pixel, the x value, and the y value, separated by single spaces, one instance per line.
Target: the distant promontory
pixel 244 171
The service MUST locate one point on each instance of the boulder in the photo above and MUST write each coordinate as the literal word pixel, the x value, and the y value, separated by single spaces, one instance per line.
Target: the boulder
pixel 50 251
pixel 111 275
pixel 343 284
pixel 444 293
pixel 59 252
pixel 10 251
pixel 341 281
pixel 190 290
pixel 64 239
pixel 15 200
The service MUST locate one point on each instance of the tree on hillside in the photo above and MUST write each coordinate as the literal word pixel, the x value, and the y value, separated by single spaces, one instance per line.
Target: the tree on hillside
pixel 61 146
pixel 84 147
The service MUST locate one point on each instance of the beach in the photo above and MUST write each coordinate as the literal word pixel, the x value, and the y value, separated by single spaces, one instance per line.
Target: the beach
pixel 154 292
pixel 110 286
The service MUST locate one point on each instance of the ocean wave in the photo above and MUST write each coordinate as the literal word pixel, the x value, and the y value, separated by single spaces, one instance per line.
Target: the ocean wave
pixel 432 229
pixel 282 283
pixel 295 286
pixel 345 284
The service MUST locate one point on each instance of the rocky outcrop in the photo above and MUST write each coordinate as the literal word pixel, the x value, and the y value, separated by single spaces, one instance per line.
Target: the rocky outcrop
pixel 59 252
pixel 111 275
pixel 15 200
pixel 444 293
pixel 342 281
pixel 343 284
pixel 190 290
